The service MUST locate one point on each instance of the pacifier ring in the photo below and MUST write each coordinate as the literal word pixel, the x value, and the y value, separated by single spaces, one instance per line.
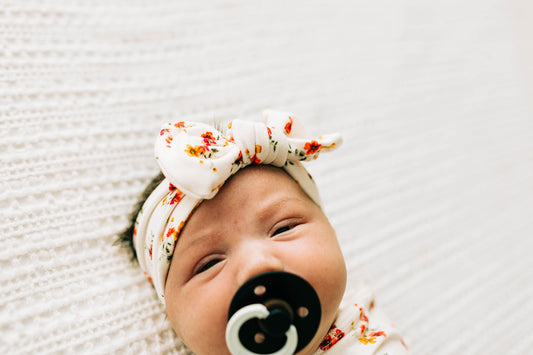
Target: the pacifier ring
pixel 281 308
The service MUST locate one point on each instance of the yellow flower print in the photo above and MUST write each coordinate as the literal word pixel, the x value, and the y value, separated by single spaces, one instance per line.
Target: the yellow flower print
pixel 173 233
pixel 195 151
pixel 366 341
pixel 180 227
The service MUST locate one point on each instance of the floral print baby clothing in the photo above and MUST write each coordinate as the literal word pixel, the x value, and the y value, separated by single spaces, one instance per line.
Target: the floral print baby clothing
pixel 361 328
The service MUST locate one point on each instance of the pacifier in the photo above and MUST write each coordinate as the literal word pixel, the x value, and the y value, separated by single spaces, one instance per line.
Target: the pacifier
pixel 275 313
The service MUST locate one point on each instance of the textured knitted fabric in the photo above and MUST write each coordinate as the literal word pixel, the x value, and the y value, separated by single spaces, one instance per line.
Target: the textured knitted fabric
pixel 432 101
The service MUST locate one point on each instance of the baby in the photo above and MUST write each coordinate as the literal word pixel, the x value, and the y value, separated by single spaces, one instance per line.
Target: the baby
pixel 232 205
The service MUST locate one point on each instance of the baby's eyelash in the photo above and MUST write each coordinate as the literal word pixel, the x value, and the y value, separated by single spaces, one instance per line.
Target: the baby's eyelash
pixel 282 229
pixel 207 265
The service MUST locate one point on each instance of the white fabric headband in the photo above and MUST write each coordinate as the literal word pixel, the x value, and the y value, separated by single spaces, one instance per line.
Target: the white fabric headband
pixel 197 159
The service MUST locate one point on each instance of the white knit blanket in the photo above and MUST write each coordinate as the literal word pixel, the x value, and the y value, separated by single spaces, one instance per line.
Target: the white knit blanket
pixel 434 100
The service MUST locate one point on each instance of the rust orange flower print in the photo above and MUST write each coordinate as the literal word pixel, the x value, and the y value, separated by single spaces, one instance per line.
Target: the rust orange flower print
pixel 209 139
pixel 169 141
pixel 333 336
pixel 258 150
pixel 195 151
pixel 288 126
pixel 172 232
pixel 312 147
pixel 177 196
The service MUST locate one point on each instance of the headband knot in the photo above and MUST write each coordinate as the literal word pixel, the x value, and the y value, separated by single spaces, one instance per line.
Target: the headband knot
pixel 259 143
pixel 197 159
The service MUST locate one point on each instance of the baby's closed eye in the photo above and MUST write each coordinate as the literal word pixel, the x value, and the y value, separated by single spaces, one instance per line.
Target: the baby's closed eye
pixel 206 265
pixel 285 226
pixel 282 229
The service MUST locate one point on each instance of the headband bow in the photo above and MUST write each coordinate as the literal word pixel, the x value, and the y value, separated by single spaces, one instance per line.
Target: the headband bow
pixel 197 159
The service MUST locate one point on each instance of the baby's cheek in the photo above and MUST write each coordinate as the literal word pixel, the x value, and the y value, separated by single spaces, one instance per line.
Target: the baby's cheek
pixel 201 318
pixel 176 316
pixel 321 264
pixel 328 273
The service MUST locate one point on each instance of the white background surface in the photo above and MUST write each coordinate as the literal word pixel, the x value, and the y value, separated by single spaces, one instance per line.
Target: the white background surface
pixel 431 194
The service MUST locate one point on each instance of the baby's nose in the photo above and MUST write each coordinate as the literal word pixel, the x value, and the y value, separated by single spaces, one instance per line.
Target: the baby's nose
pixel 257 259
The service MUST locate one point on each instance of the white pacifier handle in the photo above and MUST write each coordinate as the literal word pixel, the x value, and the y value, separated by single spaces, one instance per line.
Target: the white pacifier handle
pixel 244 314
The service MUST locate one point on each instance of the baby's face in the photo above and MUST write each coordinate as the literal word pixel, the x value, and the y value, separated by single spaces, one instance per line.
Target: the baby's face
pixel 260 221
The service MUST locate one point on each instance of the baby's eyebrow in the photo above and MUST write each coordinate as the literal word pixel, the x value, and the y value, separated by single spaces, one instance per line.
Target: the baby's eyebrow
pixel 277 204
pixel 210 236
pixel 201 238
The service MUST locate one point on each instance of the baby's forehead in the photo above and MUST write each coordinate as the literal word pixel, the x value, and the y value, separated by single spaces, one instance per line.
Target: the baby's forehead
pixel 255 187
pixel 253 196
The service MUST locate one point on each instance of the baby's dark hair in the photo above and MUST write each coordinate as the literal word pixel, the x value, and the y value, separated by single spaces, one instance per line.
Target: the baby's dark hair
pixel 125 238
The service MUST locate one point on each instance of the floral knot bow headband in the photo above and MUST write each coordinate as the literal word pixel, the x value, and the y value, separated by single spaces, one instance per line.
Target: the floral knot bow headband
pixel 197 159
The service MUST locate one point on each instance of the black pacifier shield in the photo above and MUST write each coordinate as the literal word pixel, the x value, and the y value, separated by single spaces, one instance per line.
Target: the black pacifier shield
pixel 272 289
